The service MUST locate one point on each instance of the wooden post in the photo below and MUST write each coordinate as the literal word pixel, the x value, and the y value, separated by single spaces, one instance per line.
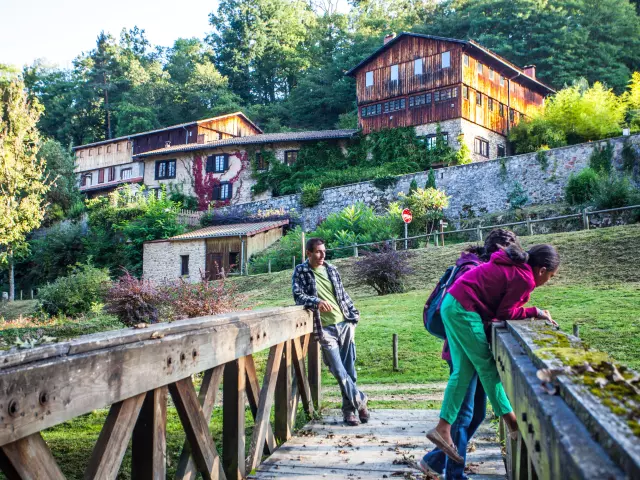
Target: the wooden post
pixel 304 246
pixel 269 266
pixel 393 244
pixel 585 219
pixel 233 435
pixel 246 268
pixel 576 330
pixel 395 352
pixel 529 225
pixel 32 294
pixel 149 441
pixel 435 239
pixel 314 370
pixel 283 396
pixel 442 232
pixel 479 231
pixel 355 250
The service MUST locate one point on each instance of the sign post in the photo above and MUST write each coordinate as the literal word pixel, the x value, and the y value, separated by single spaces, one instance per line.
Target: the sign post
pixel 406 218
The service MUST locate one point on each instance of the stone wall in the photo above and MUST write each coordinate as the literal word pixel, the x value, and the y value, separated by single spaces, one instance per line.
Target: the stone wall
pixel 161 260
pixel 483 187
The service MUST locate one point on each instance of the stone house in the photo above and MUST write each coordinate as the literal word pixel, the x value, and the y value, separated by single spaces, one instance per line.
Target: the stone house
pixel 208 252
pixel 220 173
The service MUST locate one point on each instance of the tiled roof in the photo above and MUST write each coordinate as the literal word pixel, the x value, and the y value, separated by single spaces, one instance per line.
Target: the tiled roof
pixel 180 125
pixel 471 45
pixel 233 230
pixel 254 140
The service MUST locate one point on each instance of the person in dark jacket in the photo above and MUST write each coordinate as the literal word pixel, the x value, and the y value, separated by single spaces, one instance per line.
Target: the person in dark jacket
pixel 474 406
pixel 317 285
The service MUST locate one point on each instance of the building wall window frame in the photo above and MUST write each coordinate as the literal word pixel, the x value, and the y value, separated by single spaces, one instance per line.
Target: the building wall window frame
pixel 125 173
pixel 431 141
pixel 479 68
pixel 108 148
pixel 418 66
pixel 101 175
pixel 368 79
pixel 446 59
pixel 490 103
pixel 419 100
pixel 217 163
pixel 86 180
pixel 465 60
pixel 184 265
pixel 290 157
pixel 446 94
pixel 394 73
pixel 371 110
pixel 465 92
pixel 99 150
pixel 481 147
pixel 222 191
pixel 491 76
pixel 501 109
pixel 479 99
pixel 112 174
pixel 394 105
pixel 261 164
pixel 165 169
pixel 502 151
pixel 501 80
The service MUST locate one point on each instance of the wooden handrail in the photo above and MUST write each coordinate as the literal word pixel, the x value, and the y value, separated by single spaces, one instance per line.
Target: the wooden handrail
pixel 131 369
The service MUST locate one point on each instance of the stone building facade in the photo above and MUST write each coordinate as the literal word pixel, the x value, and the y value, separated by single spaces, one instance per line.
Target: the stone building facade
pixel 163 260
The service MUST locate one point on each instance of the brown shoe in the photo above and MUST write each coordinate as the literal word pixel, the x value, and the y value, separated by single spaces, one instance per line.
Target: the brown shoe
pixel 351 420
pixel 363 413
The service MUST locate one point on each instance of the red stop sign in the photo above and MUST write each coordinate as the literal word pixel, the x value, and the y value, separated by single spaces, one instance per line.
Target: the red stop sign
pixel 406 215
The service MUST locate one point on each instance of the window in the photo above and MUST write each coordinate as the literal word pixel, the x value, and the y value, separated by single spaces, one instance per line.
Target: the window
pixel 465 60
pixel 184 265
pixel 446 59
pixel 465 92
pixel 444 95
pixel 108 148
pixel 490 74
pixel 501 81
pixel 501 151
pixel 85 180
pixel 125 173
pixel 290 156
pixel 165 169
pixel 261 163
pixel 512 114
pixel 372 110
pixel 490 104
pixel 479 67
pixel 217 163
pixel 99 150
pixel 419 100
pixel 112 174
pixel 81 154
pixel 394 73
pixel 368 82
pixel 233 260
pixel 91 152
pixel 118 147
pixel 481 147
pixel 431 141
pixel 478 99
pixel 101 175
pixel 222 191
pixel 128 146
pixel 417 66
pixel 501 110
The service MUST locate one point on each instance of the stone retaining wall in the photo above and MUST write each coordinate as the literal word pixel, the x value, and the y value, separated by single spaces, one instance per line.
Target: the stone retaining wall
pixel 483 187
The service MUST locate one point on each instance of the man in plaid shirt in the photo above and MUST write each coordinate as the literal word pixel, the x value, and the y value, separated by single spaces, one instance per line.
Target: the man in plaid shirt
pixel 317 286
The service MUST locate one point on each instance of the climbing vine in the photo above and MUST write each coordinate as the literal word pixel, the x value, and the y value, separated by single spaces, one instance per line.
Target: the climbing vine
pixel 204 182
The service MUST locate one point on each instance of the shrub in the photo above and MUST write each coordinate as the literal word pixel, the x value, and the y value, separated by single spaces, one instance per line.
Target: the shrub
pixel 74 294
pixel 76 210
pixel 582 187
pixel 614 191
pixel 431 180
pixel 541 157
pixel 311 195
pixel 384 271
pixel 517 197
pixel 413 186
pixel 629 157
pixel 385 181
pixel 133 300
pixel 463 155
pixel 601 158
pixel 426 205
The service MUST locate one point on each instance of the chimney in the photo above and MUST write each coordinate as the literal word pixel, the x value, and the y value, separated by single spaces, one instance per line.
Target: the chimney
pixel 167 144
pixel 530 71
pixel 389 37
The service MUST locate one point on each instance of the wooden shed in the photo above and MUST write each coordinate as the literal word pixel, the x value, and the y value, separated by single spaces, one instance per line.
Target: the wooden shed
pixel 208 251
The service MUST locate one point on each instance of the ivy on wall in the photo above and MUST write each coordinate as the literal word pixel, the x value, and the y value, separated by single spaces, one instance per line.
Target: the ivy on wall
pixel 204 182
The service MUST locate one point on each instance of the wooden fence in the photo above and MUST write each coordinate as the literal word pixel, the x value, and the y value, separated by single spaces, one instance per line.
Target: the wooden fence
pixel 135 370
pixel 567 435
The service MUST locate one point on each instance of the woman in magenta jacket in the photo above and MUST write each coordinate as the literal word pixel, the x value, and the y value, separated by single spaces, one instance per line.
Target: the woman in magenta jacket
pixel 497 289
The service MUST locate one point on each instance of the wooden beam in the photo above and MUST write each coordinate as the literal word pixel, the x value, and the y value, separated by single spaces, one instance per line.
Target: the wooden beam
pixel 283 396
pixel 315 372
pixel 263 413
pixel 233 420
pixel 113 440
pixel 301 376
pixel 209 389
pixel 80 383
pixel 253 395
pixel 197 429
pixel 29 458
pixel 149 441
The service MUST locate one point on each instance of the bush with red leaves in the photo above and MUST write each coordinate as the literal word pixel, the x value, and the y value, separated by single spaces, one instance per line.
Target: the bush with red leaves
pixel 133 300
pixel 384 271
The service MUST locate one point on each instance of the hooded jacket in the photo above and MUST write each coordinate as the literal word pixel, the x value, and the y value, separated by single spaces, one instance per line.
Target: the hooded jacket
pixel 498 289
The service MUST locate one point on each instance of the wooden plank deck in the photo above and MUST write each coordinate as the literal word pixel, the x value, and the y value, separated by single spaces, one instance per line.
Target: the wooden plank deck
pixel 386 447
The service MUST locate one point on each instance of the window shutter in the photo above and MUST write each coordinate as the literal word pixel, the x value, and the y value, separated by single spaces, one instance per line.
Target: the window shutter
pixel 216 192
pixel 226 162
pixel 210 163
pixel 230 187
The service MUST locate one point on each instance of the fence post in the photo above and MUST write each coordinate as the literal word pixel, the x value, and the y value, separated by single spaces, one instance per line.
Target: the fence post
pixel 585 219
pixel 393 244
pixel 32 294
pixel 479 231
pixel 269 266
pixel 355 250
pixel 395 352
pixel 435 239
pixel 246 268
pixel 304 247
pixel 529 225
pixel 442 232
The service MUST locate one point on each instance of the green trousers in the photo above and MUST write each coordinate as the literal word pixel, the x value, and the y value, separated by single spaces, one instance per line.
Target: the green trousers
pixel 470 352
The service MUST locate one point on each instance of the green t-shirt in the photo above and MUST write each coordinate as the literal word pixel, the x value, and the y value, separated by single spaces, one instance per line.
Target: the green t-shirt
pixel 325 292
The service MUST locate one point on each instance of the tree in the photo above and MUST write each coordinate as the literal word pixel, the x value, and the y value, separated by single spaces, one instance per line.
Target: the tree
pixel 426 205
pixel 22 177
pixel 59 169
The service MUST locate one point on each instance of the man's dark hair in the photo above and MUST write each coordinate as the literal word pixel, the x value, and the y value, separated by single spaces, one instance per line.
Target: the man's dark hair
pixel 312 243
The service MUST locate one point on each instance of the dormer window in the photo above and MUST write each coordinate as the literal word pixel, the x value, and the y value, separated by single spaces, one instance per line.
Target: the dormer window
pixel 394 73
pixel 446 59
pixel 479 68
pixel 368 82
pixel 417 66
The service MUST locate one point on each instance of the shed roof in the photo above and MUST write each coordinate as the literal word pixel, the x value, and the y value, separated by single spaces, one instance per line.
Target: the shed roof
pixel 469 45
pixel 254 140
pixel 234 230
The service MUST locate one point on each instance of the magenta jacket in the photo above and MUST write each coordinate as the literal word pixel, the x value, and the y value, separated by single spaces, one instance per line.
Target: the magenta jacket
pixel 498 289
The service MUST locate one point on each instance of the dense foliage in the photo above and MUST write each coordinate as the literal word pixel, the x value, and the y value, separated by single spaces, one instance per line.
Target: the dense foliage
pixel 426 205
pixel 384 271
pixel 581 187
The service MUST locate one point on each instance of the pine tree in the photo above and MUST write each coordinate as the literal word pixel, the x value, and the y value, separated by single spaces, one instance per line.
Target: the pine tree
pixel 431 180
pixel 22 196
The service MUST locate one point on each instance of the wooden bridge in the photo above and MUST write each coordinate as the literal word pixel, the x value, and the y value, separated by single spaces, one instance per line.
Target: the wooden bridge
pixel 135 371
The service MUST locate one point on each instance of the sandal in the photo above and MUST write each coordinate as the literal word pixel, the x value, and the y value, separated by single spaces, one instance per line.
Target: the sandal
pixel 449 450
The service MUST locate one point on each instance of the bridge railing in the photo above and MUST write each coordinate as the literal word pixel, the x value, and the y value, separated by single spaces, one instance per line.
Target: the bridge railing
pixel 569 425
pixel 134 371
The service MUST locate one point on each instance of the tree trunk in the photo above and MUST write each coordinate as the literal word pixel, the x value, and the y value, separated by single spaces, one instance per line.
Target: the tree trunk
pixel 12 283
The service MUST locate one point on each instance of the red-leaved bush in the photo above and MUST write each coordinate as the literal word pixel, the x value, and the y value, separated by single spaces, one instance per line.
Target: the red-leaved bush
pixel 139 301
pixel 384 271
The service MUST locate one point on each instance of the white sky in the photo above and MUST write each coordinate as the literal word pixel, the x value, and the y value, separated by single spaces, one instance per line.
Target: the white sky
pixel 59 30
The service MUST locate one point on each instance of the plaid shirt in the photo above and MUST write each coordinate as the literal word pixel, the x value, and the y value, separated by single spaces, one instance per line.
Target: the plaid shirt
pixel 305 292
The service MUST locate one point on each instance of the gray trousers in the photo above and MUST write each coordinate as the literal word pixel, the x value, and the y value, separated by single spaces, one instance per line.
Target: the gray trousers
pixel 339 353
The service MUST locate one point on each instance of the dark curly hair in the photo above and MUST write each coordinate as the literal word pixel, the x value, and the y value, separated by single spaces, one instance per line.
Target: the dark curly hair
pixel 497 238
pixel 542 255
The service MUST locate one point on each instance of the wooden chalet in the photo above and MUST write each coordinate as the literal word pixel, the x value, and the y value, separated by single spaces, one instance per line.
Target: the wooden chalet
pixel 420 80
